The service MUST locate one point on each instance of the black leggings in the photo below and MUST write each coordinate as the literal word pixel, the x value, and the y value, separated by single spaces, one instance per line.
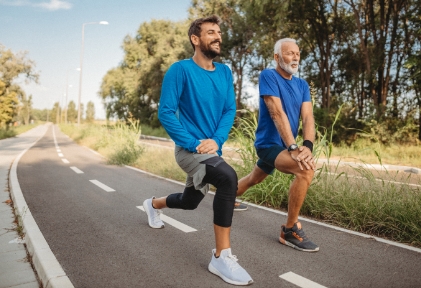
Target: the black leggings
pixel 224 178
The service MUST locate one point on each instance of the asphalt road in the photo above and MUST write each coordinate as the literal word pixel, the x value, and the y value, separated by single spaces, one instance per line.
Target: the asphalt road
pixel 89 214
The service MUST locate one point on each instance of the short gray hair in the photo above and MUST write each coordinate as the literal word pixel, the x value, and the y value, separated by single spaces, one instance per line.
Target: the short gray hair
pixel 278 44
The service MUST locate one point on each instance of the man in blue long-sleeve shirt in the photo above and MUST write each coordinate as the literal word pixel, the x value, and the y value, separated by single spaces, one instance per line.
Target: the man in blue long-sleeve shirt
pixel 197 109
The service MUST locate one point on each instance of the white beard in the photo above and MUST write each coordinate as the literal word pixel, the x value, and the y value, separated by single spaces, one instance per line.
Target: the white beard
pixel 288 67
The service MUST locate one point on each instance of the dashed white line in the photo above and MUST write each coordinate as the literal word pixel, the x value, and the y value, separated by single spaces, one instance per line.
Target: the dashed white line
pixel 102 186
pixel 60 155
pixel 181 226
pixel 65 161
pixel 300 281
pixel 58 151
pixel 78 171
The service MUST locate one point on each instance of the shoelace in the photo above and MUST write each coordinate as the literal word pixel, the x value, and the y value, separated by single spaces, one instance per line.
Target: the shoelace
pixel 233 265
pixel 301 233
pixel 156 215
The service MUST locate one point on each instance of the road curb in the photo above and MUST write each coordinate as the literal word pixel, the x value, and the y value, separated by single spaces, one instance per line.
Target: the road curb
pixel 48 268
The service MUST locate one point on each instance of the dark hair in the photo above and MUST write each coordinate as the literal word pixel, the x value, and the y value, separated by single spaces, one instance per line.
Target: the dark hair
pixel 196 26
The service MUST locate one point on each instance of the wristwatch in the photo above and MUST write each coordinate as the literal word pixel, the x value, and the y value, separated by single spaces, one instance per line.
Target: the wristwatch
pixel 292 147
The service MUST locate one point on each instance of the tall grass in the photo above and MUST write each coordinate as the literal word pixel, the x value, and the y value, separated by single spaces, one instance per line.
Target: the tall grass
pixel 13 131
pixel 359 201
pixel 118 142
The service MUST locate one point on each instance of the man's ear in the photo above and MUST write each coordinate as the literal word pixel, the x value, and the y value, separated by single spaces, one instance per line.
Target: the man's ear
pixel 195 40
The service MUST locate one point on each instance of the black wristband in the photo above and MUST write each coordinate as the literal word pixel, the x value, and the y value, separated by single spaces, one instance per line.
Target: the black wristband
pixel 308 144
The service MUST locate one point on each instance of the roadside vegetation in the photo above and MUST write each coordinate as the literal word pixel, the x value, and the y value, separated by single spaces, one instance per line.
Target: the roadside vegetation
pixel 359 202
pixel 14 131
pixel 117 142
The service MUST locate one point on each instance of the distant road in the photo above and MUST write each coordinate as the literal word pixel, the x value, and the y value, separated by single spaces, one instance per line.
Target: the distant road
pixel 90 215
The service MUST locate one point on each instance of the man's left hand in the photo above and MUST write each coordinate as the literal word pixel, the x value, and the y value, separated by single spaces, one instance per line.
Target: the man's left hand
pixel 207 146
pixel 305 157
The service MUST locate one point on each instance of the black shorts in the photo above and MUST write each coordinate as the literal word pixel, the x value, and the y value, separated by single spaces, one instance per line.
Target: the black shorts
pixel 267 157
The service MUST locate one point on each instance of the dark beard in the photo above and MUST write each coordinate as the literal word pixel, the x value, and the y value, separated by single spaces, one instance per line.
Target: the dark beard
pixel 207 50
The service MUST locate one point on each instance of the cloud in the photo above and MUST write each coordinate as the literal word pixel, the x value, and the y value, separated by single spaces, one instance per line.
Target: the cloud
pixel 53 5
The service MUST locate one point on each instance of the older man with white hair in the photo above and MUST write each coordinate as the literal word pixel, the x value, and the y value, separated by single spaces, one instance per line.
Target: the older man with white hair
pixel 285 98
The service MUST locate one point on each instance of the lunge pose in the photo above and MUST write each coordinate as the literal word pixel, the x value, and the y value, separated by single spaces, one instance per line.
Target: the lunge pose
pixel 283 99
pixel 197 109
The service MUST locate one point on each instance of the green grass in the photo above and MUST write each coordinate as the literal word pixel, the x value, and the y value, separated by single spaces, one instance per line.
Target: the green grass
pixel 13 131
pixel 118 142
pixel 358 202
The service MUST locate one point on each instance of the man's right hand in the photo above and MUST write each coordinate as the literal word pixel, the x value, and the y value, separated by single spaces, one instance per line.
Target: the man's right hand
pixel 303 158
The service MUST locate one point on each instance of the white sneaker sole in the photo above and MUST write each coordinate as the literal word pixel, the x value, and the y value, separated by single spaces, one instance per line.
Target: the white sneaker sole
pixel 145 207
pixel 216 272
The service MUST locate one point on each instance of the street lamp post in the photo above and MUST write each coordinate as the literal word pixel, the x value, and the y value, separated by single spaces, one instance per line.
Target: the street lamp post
pixel 81 65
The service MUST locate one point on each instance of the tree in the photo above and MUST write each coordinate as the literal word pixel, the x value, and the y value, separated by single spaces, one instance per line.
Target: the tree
pixel 134 88
pixel 25 111
pixel 237 35
pixel 90 112
pixel 55 113
pixel 72 112
pixel 12 66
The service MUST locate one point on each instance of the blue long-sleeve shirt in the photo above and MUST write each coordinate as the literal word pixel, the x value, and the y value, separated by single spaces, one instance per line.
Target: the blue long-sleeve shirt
pixel 197 104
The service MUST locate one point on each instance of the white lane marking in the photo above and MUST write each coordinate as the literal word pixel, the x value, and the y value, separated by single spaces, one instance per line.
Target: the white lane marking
pixel 378 239
pixel 102 186
pixel 65 161
pixel 78 171
pixel 300 281
pixel 181 226
pixel 60 155
pixel 58 151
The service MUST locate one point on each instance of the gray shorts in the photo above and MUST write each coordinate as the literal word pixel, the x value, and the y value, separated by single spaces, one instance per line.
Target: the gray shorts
pixel 191 164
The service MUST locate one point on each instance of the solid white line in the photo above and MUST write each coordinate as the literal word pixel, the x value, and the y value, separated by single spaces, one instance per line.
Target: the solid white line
pixel 181 226
pixel 102 186
pixel 378 239
pixel 60 155
pixel 65 161
pixel 300 281
pixel 78 171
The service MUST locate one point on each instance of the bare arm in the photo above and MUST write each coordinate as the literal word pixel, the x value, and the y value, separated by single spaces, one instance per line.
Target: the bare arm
pixel 280 119
pixel 309 132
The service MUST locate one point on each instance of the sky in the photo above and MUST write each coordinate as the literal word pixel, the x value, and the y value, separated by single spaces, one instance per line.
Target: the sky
pixel 51 32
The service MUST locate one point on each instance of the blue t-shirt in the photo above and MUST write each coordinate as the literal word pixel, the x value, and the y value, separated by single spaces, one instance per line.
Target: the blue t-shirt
pixel 197 104
pixel 292 93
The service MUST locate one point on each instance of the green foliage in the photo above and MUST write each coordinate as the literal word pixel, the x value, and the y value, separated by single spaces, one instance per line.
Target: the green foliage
pixel 13 66
pixel 359 202
pixel 90 112
pixel 134 87
pixel 120 141
pixel 7 133
pixel 71 112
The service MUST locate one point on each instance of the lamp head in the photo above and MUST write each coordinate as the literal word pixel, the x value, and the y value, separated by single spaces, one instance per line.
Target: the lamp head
pixel 103 23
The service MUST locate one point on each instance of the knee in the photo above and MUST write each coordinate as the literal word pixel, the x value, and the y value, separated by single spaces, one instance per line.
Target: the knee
pixel 306 175
pixel 229 180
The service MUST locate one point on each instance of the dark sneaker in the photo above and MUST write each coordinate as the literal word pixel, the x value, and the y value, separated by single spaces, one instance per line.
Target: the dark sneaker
pixel 297 239
pixel 226 266
pixel 238 206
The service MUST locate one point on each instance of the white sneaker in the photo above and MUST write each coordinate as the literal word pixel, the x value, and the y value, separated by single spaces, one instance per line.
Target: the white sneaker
pixel 226 267
pixel 153 214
